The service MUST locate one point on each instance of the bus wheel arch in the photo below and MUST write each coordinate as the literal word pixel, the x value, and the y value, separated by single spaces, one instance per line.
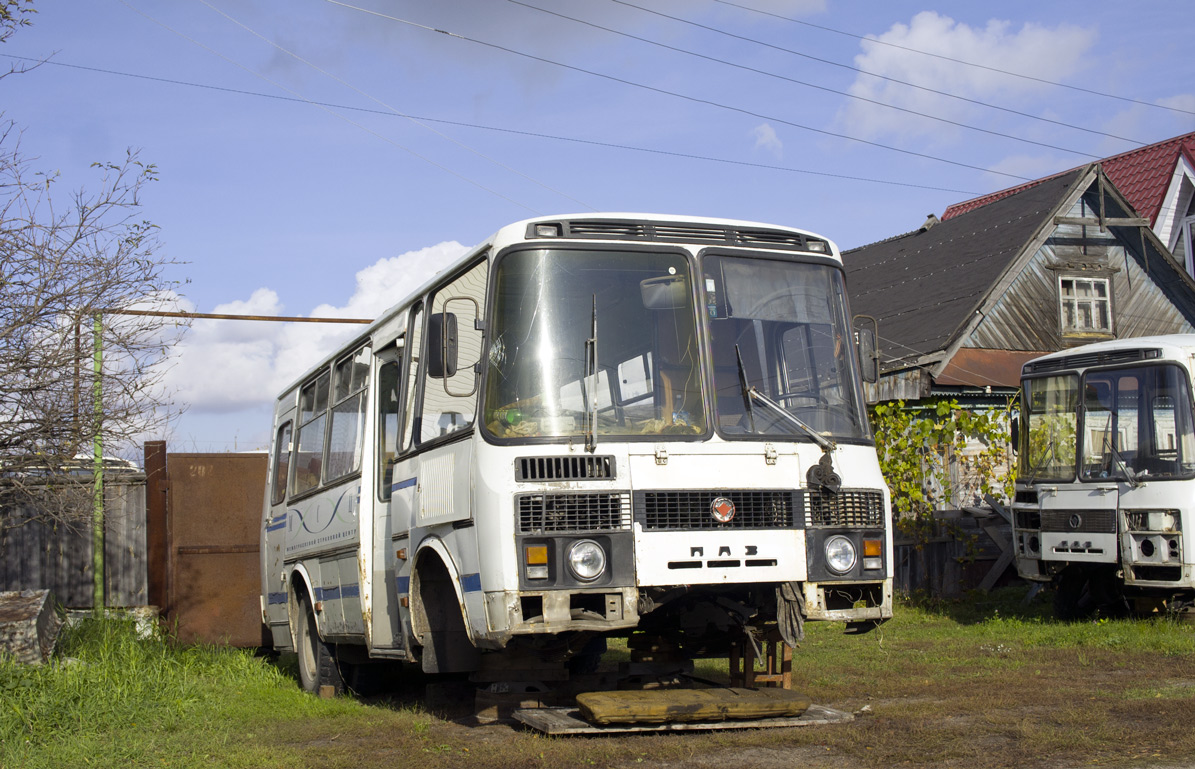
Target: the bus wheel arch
pixel 438 614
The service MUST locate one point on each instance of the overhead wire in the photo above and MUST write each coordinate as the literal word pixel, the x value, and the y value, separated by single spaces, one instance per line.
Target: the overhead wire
pixel 394 111
pixel 878 76
pixel 804 83
pixel 674 94
pixel 877 41
pixel 498 129
pixel 331 112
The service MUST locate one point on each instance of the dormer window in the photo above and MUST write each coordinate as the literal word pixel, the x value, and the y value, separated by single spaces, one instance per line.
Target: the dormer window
pixel 1085 306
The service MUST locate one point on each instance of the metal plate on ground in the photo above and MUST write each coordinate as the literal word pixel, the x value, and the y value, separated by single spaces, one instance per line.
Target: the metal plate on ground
pixel 568 721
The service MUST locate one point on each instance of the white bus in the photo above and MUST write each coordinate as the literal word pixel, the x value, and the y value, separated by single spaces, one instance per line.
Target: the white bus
pixel 1106 480
pixel 587 425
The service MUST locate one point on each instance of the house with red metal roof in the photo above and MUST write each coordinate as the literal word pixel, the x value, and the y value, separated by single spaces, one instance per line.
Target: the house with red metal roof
pixel 1157 180
pixel 963 302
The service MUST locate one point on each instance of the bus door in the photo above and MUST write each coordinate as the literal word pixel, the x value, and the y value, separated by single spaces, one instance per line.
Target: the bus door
pixel 391 522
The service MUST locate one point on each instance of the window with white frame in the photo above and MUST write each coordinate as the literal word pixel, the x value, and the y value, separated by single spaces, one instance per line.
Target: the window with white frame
pixel 1084 305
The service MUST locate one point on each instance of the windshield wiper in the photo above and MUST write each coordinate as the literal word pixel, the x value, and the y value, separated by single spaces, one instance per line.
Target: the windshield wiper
pixel 1042 463
pixel 822 474
pixel 591 370
pixel 1129 475
pixel 746 389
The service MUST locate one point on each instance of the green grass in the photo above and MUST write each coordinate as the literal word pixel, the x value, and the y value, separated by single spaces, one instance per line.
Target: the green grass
pixel 111 698
pixel 986 681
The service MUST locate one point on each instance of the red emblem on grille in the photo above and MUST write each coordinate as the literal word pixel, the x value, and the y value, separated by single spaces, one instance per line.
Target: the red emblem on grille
pixel 722 509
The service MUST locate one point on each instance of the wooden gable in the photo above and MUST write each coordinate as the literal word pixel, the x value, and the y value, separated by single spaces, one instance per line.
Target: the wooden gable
pixel 1073 264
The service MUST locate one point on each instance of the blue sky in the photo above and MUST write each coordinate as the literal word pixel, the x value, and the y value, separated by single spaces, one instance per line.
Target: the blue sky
pixel 290 184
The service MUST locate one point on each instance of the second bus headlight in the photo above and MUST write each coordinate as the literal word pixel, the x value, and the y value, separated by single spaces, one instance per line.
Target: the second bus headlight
pixel 586 560
pixel 840 554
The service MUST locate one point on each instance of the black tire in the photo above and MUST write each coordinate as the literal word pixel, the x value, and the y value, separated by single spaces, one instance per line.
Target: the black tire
pixel 317 661
pixel 1084 592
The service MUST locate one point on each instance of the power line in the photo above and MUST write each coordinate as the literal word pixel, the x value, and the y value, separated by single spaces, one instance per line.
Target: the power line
pixel 674 94
pixel 802 82
pixel 386 106
pixel 877 75
pixel 876 41
pixel 278 85
pixel 498 129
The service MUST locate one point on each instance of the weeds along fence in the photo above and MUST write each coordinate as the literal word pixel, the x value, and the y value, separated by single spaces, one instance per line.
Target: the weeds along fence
pixel 968 549
pixel 35 554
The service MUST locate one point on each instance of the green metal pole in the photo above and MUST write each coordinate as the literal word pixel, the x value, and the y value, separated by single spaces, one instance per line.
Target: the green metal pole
pixel 97 469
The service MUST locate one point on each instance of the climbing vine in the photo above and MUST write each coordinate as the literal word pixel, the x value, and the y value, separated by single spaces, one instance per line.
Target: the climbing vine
pixel 937 455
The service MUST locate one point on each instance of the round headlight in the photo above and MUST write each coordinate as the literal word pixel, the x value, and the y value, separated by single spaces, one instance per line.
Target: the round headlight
pixel 586 560
pixel 840 554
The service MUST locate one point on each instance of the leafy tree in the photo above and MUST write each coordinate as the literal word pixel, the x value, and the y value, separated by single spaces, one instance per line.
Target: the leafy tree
pixel 62 265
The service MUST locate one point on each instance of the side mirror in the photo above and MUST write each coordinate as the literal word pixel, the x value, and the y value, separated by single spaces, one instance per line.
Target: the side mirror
pixel 866 334
pixel 1014 433
pixel 441 345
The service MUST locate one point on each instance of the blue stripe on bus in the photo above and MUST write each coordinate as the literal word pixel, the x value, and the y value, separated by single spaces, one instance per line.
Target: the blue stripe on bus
pixel 408 483
pixel 336 593
pixel 276 598
pixel 277 526
pixel 471 583
pixel 403 584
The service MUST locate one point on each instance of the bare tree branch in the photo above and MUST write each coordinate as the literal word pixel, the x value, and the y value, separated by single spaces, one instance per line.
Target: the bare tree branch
pixel 59 269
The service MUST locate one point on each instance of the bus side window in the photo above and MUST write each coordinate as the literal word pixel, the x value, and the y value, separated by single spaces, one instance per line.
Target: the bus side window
pixel 413 373
pixel 389 380
pixel 348 415
pixel 281 464
pixel 313 416
pixel 450 402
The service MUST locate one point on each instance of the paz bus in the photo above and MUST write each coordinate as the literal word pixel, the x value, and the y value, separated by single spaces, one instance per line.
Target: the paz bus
pixel 587 426
pixel 1105 498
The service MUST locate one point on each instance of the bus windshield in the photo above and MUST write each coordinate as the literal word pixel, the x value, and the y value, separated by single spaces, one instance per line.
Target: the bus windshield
pixel 545 379
pixel 780 327
pixel 1051 412
pixel 1137 424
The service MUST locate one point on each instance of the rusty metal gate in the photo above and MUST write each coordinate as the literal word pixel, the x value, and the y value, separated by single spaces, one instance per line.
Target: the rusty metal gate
pixel 212 516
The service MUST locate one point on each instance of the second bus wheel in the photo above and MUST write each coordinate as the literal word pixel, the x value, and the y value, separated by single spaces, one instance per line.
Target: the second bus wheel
pixel 317 663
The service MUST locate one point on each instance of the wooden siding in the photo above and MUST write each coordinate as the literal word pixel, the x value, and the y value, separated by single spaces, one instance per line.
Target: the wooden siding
pixel 36 556
pixel 1026 317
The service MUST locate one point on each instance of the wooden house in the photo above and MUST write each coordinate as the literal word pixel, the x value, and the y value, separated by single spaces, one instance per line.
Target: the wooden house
pixel 964 301
pixel 1157 180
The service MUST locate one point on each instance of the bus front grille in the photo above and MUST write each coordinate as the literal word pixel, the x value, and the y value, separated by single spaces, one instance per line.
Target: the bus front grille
pixel 849 507
pixel 580 512
pixel 586 468
pixel 692 510
pixel 1087 521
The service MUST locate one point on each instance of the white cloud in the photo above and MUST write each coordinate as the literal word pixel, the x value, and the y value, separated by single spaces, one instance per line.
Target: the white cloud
pixel 1050 53
pixel 222 366
pixel 767 140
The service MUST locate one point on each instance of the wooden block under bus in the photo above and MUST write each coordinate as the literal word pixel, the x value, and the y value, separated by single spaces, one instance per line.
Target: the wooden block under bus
pixel 659 706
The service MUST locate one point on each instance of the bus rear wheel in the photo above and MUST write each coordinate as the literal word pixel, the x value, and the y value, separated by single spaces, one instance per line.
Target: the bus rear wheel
pixel 317 661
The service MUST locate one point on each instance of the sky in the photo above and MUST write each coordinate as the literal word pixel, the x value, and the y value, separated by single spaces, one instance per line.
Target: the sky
pixel 320 158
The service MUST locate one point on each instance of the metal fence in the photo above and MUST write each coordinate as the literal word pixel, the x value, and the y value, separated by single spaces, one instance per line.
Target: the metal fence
pixel 36 555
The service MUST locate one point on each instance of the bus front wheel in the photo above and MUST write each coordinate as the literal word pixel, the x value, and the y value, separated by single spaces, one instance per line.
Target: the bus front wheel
pixel 317 662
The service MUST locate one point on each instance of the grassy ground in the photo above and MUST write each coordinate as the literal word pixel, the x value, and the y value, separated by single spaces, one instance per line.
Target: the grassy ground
pixel 987 682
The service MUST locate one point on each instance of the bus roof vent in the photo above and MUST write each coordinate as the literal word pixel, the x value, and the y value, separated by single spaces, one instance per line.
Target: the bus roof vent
pixel 539 469
pixel 677 232
pixel 1085 359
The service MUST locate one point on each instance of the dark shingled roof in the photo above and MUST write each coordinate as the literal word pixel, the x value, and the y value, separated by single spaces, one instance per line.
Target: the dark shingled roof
pixel 924 285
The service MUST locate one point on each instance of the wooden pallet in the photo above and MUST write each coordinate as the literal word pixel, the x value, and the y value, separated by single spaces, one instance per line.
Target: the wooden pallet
pixel 567 721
